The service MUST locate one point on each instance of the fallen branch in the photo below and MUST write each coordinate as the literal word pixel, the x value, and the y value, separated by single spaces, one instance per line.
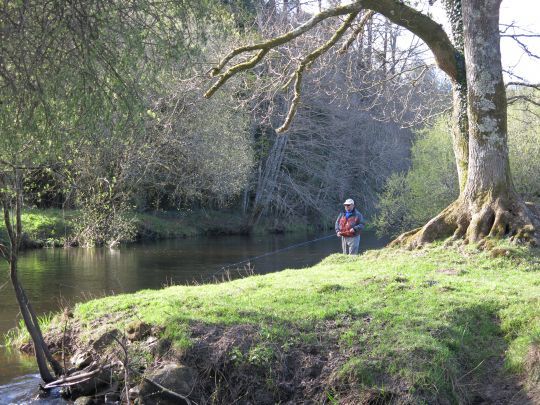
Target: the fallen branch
pixel 168 391
pixel 78 378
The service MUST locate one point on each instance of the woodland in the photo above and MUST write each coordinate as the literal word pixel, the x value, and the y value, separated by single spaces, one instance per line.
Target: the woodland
pixel 275 111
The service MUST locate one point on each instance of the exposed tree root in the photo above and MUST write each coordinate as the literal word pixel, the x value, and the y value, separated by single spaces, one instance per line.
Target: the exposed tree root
pixel 474 222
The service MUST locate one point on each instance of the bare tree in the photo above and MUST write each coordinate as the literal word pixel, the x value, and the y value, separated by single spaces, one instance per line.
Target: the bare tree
pixel 289 162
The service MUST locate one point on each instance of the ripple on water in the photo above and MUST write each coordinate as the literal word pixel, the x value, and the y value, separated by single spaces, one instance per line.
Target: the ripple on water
pixel 24 390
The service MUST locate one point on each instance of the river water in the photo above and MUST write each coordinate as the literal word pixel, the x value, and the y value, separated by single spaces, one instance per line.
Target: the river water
pixel 55 278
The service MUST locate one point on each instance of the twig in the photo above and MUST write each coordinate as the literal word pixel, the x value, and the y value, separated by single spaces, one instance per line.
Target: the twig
pixel 126 365
pixel 168 391
pixel 469 372
pixel 64 344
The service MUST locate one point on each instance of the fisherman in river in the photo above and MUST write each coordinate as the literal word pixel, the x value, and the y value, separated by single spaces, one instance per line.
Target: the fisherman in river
pixel 349 223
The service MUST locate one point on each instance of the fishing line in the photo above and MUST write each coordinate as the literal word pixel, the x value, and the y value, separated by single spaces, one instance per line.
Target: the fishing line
pixel 224 268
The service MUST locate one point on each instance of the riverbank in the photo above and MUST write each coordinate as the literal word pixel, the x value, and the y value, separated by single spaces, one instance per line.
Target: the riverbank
pixel 439 325
pixel 56 228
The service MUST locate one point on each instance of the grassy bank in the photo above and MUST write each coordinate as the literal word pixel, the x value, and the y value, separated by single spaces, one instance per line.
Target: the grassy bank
pixel 440 325
pixel 52 227
pixel 48 227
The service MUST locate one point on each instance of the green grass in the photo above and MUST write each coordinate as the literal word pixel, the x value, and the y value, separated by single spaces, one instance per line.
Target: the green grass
pixel 15 337
pixel 46 227
pixel 426 320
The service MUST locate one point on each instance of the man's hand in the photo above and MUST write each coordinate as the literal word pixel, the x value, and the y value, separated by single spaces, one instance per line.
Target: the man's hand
pixel 339 234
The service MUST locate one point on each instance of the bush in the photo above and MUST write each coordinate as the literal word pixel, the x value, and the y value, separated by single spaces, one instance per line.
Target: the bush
pixel 524 149
pixel 411 199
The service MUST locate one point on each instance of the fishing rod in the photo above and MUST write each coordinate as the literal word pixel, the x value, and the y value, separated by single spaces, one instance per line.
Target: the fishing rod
pixel 224 268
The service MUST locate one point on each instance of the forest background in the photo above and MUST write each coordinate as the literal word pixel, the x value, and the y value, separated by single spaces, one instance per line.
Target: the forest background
pixel 132 145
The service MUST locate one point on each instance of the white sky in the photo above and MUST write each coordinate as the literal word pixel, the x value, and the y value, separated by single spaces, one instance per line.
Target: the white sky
pixel 525 14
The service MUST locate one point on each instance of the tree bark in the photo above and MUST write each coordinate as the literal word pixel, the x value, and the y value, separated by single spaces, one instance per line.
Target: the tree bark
pixel 489 169
pixel 14 231
pixel 489 205
pixel 38 348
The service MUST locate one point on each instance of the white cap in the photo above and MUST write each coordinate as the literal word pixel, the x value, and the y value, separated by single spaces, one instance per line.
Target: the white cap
pixel 349 201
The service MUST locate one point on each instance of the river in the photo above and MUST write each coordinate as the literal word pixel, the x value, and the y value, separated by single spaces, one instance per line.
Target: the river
pixel 56 278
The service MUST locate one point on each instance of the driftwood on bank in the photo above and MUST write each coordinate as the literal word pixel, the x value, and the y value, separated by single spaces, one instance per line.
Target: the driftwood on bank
pixel 80 377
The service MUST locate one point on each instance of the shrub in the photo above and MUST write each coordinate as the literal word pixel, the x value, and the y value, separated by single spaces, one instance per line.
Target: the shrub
pixel 410 199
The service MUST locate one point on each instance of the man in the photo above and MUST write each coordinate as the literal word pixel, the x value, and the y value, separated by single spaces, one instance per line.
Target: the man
pixel 348 226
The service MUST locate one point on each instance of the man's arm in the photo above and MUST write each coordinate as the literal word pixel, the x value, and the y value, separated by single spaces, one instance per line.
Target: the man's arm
pixel 336 226
pixel 361 223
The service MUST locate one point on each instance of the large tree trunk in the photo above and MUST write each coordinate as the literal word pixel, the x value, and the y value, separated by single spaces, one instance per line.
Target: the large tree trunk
pixel 488 204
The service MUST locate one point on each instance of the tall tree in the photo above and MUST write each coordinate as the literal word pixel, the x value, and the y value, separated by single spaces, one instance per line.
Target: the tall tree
pixel 488 204
pixel 69 69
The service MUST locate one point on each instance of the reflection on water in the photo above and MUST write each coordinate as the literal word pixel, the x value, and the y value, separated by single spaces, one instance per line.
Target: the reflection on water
pixel 55 278
pixel 18 362
pixel 25 389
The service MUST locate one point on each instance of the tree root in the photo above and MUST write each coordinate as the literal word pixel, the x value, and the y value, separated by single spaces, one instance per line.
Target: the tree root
pixel 473 222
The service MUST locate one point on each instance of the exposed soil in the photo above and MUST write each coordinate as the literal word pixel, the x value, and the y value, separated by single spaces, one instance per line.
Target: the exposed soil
pixel 500 388
pixel 237 364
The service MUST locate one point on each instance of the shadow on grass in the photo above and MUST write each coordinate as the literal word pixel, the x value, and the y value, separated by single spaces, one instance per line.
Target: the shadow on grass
pixel 353 358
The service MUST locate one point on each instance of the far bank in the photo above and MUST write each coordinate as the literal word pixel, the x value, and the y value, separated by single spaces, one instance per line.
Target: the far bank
pixel 58 228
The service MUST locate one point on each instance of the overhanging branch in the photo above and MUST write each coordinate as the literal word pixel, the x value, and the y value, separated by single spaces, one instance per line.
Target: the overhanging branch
pixel 264 47
pixel 446 55
pixel 306 63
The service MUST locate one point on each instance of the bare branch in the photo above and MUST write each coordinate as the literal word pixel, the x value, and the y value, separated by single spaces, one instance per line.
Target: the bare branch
pixel 4 251
pixel 289 36
pixel 523 46
pixel 528 99
pixel 357 32
pixel 512 74
pixel 520 35
pixel 264 47
pixel 522 84
pixel 306 62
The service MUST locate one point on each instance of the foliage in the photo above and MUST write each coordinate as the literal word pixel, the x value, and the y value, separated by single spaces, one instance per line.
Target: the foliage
pixel 410 199
pixel 524 146
pixel 76 91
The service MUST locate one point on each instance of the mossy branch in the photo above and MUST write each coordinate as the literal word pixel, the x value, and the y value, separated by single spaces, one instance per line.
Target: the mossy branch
pixel 306 63
pixel 266 46
pixel 235 69
pixel 397 12
pixel 357 32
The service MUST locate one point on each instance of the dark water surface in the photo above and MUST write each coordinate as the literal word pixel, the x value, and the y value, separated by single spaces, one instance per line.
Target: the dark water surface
pixel 54 278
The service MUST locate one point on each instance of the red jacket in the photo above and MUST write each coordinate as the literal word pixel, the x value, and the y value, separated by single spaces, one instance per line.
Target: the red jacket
pixel 350 226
